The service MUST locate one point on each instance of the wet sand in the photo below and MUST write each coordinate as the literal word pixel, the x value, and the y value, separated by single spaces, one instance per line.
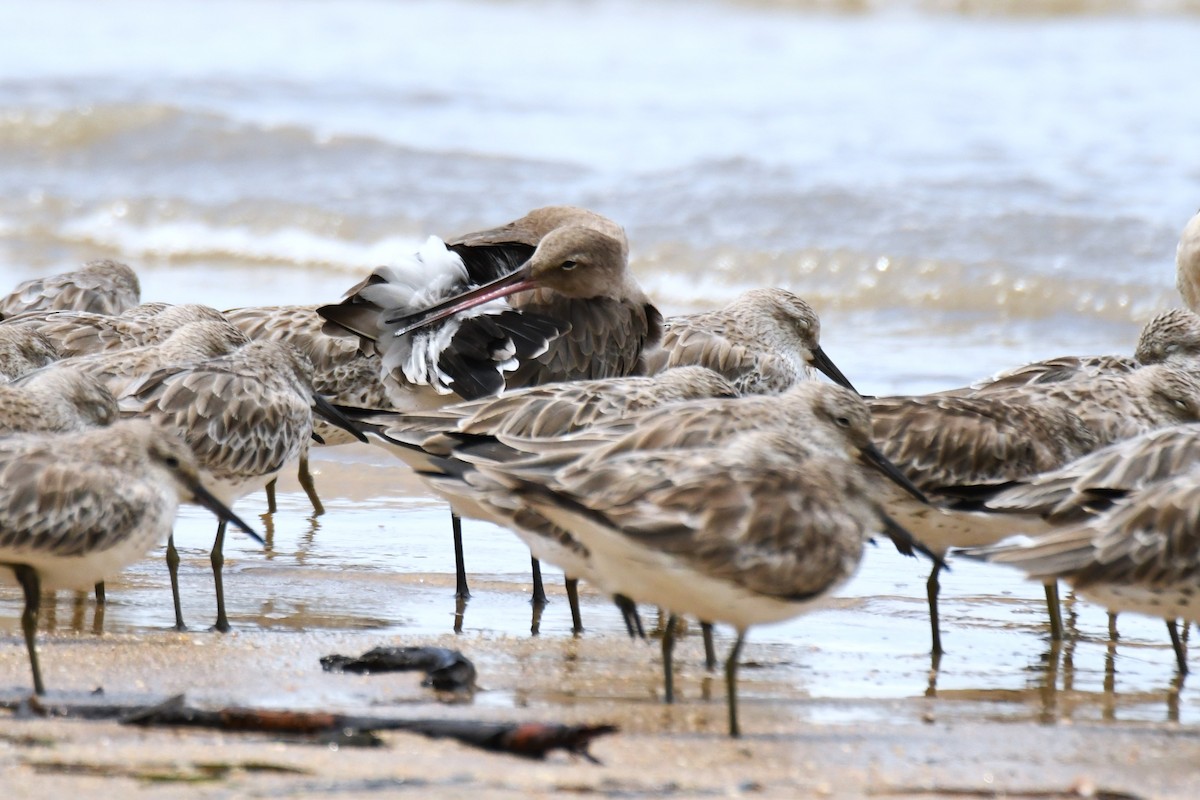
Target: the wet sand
pixel 840 703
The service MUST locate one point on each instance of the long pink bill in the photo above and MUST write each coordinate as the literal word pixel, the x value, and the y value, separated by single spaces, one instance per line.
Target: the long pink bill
pixel 518 281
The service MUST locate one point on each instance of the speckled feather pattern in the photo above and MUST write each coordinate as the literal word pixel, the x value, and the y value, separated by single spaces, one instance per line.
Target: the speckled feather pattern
pixel 245 415
pixel 78 507
pixel 762 341
pixel 105 287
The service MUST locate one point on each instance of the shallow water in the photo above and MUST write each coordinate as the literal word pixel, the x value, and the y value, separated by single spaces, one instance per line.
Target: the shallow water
pixel 954 192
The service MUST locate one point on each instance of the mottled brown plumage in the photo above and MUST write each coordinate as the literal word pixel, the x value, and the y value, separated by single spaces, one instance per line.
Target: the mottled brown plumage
pixel 23 350
pixel 104 286
pixel 78 333
pixel 750 527
pixel 764 341
pixel 246 415
pixel 78 507
pixel 61 399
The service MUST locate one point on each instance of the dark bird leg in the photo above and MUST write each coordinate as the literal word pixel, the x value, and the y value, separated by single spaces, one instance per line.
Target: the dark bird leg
pixel 1052 605
pixel 460 567
pixel 271 506
pixel 1113 634
pixel 633 620
pixel 573 600
pixel 310 488
pixel 932 587
pixel 731 682
pixel 539 591
pixel 31 583
pixel 1180 648
pixel 217 557
pixel 668 651
pixel 173 571
pixel 100 597
pixel 710 650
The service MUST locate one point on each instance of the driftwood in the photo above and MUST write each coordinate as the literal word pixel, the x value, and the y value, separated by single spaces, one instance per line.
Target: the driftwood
pixel 526 739
pixel 445 669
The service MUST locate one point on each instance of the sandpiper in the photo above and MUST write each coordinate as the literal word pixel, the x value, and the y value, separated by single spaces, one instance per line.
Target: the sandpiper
pixel 61 399
pixel 80 333
pixel 764 341
pixel 751 530
pixel 22 351
pixel 341 373
pixel 962 449
pixel 427 442
pixel 246 415
pixel 1142 555
pixel 78 507
pixel 104 286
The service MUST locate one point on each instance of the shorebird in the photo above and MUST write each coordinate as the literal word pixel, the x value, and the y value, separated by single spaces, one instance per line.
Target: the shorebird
pixel 79 333
pixel 1187 264
pixel 78 507
pixel 341 374
pixel 55 400
pixel 545 298
pixel 764 341
pixel 428 442
pixel 246 415
pixel 191 343
pixel 104 286
pixel 962 449
pixel 22 351
pixel 751 530
pixel 1142 555
pixel 1093 484
pixel 1173 334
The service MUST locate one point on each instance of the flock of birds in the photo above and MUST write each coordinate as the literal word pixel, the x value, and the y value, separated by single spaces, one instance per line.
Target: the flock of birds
pixel 692 463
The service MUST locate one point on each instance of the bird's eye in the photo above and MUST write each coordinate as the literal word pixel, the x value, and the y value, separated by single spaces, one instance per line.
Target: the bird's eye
pixel 568 265
pixel 843 422
pixel 171 461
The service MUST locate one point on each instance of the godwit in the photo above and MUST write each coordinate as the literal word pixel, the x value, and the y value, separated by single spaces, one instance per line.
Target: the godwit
pixel 78 507
pixel 559 270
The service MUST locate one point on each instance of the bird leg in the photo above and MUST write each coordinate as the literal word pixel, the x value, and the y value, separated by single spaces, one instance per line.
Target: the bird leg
pixel 100 597
pixel 1177 643
pixel 460 568
pixel 217 557
pixel 310 488
pixel 173 571
pixel 271 506
pixel 668 650
pixel 932 587
pixel 710 650
pixel 633 620
pixel 31 583
pixel 731 683
pixel 1052 605
pixel 539 591
pixel 573 600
